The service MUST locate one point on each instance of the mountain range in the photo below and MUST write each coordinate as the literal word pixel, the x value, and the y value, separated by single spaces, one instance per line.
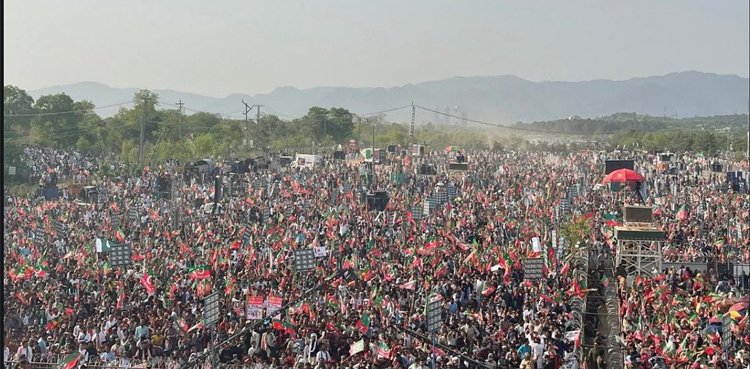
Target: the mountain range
pixel 499 99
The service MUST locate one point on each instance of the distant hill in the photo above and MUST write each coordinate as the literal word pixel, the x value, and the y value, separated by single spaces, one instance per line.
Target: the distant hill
pixel 501 99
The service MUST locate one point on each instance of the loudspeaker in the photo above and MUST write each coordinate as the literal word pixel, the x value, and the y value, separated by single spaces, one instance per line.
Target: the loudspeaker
pixel 665 157
pixel 285 161
pixel 378 200
pixel 392 148
pixel 637 214
pixel 458 166
pixel 238 167
pixel 717 168
pixel 217 189
pixel 339 155
pixel 426 169
pixel 162 184
pixel 613 165
pixel 261 163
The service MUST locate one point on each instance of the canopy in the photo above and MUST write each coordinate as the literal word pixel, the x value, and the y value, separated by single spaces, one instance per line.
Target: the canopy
pixel 623 175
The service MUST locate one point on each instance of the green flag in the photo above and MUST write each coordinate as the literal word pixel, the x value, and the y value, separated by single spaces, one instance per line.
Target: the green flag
pixel 70 361
pixel 102 245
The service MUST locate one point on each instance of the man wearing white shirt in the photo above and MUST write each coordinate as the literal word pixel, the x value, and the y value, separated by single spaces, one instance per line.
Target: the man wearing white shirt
pixel 322 357
pixel 29 350
pixel 537 347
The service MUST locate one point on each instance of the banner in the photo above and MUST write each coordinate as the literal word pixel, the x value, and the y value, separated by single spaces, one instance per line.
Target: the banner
pixel 536 245
pixel 255 307
pixel 274 304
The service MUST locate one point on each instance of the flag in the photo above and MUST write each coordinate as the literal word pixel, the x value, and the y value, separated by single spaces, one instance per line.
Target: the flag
pixel 283 326
pixel 682 214
pixel 102 245
pixel 121 300
pixel 120 235
pixel 574 336
pixel 411 285
pixel 70 361
pixel 489 290
pixel 366 153
pixel 357 347
pixel 199 273
pixel 148 283
pixel 384 351
pixel 364 323
pixel 197 326
pixel 565 269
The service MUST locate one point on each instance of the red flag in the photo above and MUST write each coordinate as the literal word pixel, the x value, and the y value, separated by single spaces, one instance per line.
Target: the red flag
pixel 565 269
pixel 148 283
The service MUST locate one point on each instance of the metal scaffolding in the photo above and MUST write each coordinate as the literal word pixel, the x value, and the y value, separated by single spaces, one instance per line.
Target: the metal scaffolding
pixel 639 249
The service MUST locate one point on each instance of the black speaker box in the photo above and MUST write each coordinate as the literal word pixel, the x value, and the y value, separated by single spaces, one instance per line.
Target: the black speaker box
pixel 426 169
pixel 217 189
pixel 613 165
pixel 637 214
pixel 378 200
pixel 458 166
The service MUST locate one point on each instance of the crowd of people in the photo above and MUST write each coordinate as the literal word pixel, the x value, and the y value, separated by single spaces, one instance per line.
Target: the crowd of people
pixel 374 271
pixel 48 165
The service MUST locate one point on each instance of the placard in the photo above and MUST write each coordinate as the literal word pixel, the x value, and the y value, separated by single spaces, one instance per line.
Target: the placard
pixel 304 260
pixel 120 255
pixel 533 269
pixel 211 309
pixel 246 237
pixel 255 307
pixel 433 311
pixel 320 252
pixel 274 304
pixel 536 245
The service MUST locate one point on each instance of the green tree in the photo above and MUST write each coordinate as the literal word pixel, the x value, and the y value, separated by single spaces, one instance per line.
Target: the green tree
pixel 17 109
pixel 58 122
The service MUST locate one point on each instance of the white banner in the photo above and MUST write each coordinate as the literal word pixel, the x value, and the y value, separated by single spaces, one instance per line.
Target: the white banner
pixel 536 245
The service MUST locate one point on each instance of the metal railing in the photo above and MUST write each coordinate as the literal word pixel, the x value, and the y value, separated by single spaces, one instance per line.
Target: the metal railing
pixel 96 364
pixel 614 355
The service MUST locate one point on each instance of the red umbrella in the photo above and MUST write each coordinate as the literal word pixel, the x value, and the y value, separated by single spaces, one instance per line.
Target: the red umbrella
pixel 623 175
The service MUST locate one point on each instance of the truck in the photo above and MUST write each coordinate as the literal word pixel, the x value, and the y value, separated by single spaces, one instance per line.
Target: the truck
pixel 308 161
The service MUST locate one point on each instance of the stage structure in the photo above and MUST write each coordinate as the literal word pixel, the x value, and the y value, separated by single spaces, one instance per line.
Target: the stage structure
pixel 639 242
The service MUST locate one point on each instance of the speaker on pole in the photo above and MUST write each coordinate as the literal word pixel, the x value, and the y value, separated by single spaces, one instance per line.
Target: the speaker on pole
pixel 217 188
pixel 377 200
pixel 217 193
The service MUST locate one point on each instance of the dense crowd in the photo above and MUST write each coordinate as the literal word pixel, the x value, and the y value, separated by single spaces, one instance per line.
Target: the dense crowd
pixel 42 162
pixel 63 295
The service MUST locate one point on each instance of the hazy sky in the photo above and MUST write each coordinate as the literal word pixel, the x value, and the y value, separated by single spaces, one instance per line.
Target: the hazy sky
pixel 222 47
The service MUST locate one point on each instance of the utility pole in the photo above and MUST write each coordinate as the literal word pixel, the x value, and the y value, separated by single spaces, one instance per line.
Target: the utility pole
pixel 179 119
pixel 143 126
pixel 411 127
pixel 257 114
pixel 248 109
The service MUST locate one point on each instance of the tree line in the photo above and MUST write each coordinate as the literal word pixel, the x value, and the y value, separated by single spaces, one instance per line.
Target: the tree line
pixel 59 121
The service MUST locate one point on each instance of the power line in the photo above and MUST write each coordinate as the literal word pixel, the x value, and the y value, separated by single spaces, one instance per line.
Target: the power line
pixel 66 112
pixel 383 111
pixel 525 129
